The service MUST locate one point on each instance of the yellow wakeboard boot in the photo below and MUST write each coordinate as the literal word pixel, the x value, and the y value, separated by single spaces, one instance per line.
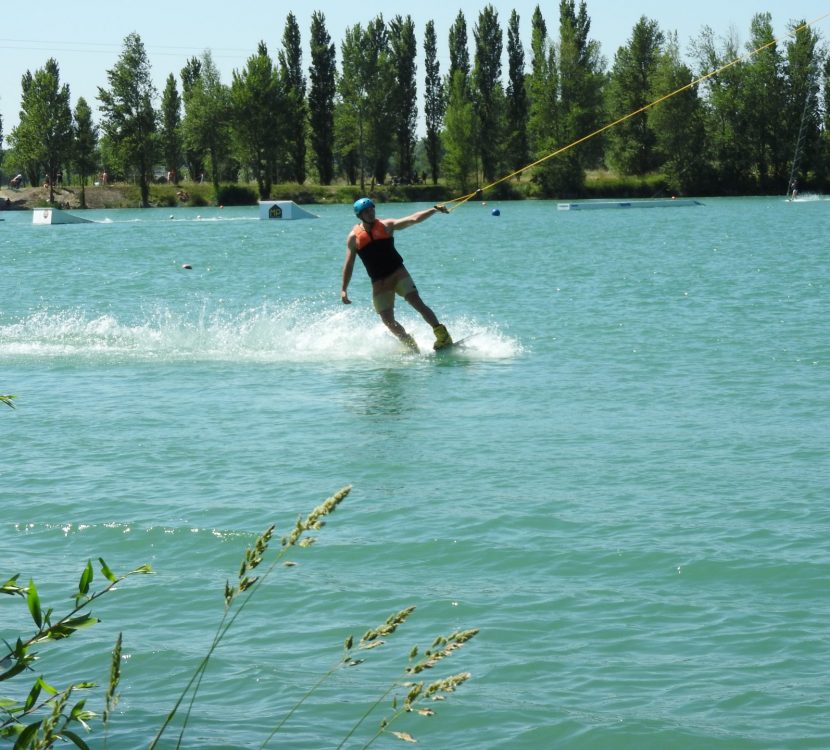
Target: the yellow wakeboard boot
pixel 442 336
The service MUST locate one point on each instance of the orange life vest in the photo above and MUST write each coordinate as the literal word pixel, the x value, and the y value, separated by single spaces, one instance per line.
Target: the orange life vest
pixel 376 248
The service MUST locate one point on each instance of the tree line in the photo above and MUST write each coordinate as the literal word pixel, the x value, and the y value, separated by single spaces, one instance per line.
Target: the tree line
pixel 760 122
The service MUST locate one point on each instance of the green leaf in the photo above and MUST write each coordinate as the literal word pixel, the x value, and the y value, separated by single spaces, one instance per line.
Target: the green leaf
pixel 77 709
pixel 25 737
pixel 67 628
pixel 10 587
pixel 33 601
pixel 105 570
pixel 34 694
pixel 143 569
pixel 86 579
pixel 74 738
pixel 84 621
pixel 8 731
pixel 14 671
pixel 46 686
pixel 56 633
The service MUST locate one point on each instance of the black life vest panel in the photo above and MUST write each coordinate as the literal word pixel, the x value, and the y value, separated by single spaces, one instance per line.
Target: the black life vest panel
pixel 376 248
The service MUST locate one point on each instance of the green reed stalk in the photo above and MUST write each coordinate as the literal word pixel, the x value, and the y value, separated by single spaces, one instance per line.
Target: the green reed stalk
pixel 368 641
pixel 313 522
pixel 435 691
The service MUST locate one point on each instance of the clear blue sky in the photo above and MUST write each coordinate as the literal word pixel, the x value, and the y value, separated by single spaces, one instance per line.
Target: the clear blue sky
pixel 86 37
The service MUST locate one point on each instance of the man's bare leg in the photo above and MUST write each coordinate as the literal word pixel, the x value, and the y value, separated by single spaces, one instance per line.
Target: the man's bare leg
pixel 414 299
pixel 388 318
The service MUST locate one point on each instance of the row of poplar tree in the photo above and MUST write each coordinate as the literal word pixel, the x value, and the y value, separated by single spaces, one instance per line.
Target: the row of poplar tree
pixel 737 131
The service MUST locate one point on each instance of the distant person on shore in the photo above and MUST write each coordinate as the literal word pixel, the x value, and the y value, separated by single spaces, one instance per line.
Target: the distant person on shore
pixel 372 241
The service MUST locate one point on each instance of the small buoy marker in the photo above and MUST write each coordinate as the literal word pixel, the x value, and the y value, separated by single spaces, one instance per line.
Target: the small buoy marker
pixel 187 266
pixel 495 212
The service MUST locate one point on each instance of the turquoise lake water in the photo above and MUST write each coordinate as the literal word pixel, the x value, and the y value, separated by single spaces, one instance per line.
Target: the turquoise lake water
pixel 623 482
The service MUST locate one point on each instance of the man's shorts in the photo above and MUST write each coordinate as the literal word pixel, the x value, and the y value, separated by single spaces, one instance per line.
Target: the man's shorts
pixel 383 293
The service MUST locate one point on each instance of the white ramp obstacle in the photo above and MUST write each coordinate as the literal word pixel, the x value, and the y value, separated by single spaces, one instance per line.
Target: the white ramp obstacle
pixel 283 210
pixel 56 216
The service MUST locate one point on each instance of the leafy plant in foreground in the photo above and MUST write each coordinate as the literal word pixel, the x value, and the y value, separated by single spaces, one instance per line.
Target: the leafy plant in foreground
pixel 52 714
pixel 47 715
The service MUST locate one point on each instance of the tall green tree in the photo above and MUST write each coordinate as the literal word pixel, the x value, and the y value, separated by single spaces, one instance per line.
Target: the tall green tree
pixel 295 112
pixel 256 100
pixel 190 73
pixel 193 158
pixel 763 96
pixel 85 134
pixel 434 101
pixel 364 110
pixel 581 79
pixel 459 134
pixel 801 139
pixel 824 144
pixel 404 104
pixel 543 115
pixel 321 97
pixel 380 84
pixel 632 142
pixel 129 118
pixel 43 137
pixel 726 113
pixel 582 76
pixel 517 151
pixel 459 52
pixel 679 123
pixel 351 113
pixel 207 120
pixel 488 94
pixel 170 135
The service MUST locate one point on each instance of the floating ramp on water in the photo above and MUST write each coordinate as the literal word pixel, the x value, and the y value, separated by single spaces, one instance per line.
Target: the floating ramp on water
pixel 283 210
pixel 56 216
pixel 592 205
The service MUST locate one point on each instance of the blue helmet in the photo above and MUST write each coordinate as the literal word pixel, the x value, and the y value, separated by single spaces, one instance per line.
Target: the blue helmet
pixel 362 203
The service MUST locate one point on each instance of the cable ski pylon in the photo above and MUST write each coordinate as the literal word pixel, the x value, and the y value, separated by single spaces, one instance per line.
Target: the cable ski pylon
pixel 480 191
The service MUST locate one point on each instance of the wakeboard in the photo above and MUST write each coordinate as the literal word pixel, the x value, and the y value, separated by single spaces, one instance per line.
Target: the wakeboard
pixel 455 345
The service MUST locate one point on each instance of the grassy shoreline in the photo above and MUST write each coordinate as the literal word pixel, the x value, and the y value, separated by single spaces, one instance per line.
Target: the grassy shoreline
pixel 124 195
pixel 598 184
